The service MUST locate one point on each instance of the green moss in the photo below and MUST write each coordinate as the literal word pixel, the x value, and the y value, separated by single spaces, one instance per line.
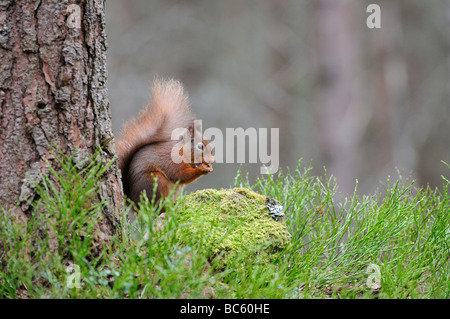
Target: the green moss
pixel 232 224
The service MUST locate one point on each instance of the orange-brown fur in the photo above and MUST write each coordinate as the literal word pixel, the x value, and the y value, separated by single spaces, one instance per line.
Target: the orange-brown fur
pixel 144 149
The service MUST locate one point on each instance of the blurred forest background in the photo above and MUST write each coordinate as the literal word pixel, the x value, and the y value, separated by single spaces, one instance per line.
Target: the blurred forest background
pixel 360 101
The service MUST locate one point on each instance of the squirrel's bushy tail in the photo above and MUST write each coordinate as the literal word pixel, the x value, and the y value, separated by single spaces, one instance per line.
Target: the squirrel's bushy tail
pixel 167 110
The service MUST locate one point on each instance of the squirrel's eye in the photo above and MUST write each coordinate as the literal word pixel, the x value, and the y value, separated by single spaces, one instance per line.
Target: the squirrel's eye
pixel 200 146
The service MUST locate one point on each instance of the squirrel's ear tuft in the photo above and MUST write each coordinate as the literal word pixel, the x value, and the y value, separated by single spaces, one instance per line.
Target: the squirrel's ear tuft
pixel 191 127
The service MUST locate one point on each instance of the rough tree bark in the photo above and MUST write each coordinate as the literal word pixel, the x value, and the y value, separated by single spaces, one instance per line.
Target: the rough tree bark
pixel 53 91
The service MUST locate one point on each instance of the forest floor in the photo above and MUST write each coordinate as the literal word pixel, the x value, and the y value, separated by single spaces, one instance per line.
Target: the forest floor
pixel 394 243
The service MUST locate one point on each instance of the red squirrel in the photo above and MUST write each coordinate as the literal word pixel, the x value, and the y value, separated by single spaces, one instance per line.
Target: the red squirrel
pixel 146 145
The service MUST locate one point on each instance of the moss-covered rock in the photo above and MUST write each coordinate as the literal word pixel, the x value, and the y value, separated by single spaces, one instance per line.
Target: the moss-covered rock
pixel 233 225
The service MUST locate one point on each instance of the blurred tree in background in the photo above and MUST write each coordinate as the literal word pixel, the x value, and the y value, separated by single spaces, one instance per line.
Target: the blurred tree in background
pixel 360 101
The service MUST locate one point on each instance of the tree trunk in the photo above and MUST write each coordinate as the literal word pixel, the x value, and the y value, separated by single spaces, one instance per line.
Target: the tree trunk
pixel 340 109
pixel 53 92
